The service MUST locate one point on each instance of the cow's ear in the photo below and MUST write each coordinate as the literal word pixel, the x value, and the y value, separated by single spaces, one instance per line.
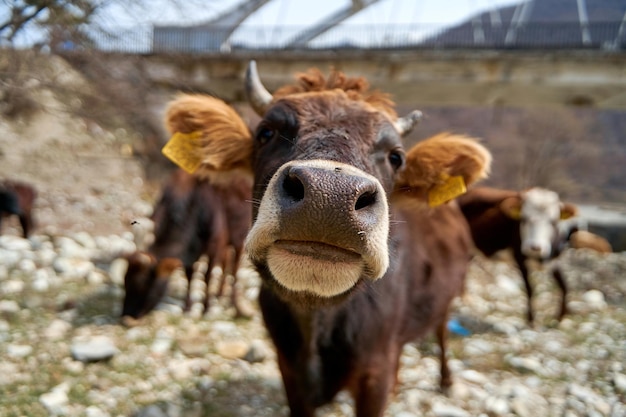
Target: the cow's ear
pixel 143 259
pixel 568 210
pixel 167 266
pixel 441 167
pixel 208 135
pixel 512 207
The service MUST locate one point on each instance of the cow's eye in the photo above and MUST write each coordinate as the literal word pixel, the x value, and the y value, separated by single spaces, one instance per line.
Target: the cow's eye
pixel 265 134
pixel 396 159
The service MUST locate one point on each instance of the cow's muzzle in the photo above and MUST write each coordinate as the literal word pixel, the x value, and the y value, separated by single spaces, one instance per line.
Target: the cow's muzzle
pixel 321 227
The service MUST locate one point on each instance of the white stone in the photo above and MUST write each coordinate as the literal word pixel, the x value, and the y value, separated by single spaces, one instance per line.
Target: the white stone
pixel 224 328
pixel 12 286
pixel 9 258
pixel 525 364
pixel 69 248
pixel 477 347
pixel 474 377
pixel 84 239
pixel 19 351
pixel 45 256
pixel 507 285
pixel 117 271
pixel 93 411
pixel 27 266
pixel 56 400
pixel 595 300
pixel 9 306
pixel 95 277
pixel 94 348
pixel 14 243
pixel 160 346
pixel 496 406
pixel 57 329
pixel 445 410
pixel 41 282
pixel 73 268
pixel 620 382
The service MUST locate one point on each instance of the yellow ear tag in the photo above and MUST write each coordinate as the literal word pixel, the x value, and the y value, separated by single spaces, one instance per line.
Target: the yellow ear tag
pixel 184 150
pixel 451 188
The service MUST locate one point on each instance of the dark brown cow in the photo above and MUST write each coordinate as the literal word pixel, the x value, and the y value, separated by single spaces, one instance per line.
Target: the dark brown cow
pixel 18 198
pixel 526 223
pixel 353 263
pixel 193 217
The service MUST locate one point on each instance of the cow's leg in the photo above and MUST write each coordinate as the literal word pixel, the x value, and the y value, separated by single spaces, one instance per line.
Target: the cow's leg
pixel 207 280
pixel 374 388
pixel 523 269
pixel 297 399
pixel 560 280
pixel 189 276
pixel 227 268
pixel 216 257
pixel 442 339
pixel 234 294
pixel 25 222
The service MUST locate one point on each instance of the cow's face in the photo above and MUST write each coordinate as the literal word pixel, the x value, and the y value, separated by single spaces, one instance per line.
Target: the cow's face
pixel 539 211
pixel 145 282
pixel 324 165
pixel 325 162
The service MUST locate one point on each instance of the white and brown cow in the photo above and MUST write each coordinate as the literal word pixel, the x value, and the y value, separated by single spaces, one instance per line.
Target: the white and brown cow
pixel 525 222
pixel 353 261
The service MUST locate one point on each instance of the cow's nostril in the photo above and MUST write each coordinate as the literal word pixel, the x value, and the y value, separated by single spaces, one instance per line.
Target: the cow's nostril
pixel 365 200
pixel 293 187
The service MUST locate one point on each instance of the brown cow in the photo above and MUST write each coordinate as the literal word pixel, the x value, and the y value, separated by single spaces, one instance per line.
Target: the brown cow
pixel 525 222
pixel 583 239
pixel 193 217
pixel 18 198
pixel 353 263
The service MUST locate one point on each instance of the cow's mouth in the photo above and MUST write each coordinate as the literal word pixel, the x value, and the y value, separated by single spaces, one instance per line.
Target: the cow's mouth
pixel 314 267
pixel 317 250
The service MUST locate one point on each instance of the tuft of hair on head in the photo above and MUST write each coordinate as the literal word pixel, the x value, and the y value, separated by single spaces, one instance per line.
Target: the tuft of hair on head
pixel 225 140
pixel 356 88
pixel 432 161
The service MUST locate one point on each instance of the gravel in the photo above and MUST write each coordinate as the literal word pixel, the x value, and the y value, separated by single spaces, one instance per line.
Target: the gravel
pixel 63 351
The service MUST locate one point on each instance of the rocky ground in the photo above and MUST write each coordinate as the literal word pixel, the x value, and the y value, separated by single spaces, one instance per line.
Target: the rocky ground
pixel 64 353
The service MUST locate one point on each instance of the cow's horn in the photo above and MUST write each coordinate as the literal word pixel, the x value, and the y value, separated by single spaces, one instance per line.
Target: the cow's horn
pixel 258 96
pixel 405 124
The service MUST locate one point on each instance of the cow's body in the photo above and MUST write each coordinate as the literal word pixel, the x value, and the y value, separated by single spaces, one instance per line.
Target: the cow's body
pixel 583 239
pixel 353 263
pixel 495 228
pixel 18 198
pixel 192 218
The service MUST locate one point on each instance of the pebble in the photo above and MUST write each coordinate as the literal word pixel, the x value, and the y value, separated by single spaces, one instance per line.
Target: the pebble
pixel 232 349
pixel 19 351
pixel 619 380
pixel 444 410
pixel 93 349
pixel 594 300
pixel 9 306
pixel 56 400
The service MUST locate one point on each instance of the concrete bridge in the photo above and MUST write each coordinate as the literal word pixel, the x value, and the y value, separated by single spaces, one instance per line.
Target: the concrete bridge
pixel 592 78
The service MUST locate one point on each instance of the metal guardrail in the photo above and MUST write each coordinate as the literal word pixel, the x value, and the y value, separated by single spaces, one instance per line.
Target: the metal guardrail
pixel 213 39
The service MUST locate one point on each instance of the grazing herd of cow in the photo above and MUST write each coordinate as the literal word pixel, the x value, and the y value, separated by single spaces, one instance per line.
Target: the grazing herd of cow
pixel 360 245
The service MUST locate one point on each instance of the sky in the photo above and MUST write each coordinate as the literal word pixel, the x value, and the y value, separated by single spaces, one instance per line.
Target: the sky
pixel 288 14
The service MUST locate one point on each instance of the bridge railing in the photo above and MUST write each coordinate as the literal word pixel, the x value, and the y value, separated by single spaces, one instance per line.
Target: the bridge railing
pixel 216 39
